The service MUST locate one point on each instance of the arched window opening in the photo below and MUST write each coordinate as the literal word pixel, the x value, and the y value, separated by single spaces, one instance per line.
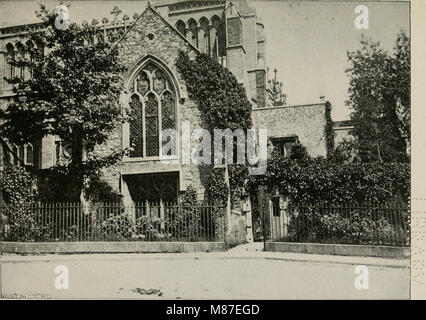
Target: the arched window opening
pixel 168 116
pixel 30 56
pixel 215 41
pixel 136 138
pixel 193 32
pixel 151 123
pixel 153 109
pixel 204 35
pixel 21 57
pixel 180 26
pixel 10 60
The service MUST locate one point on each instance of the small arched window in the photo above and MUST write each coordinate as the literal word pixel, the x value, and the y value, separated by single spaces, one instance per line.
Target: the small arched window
pixel 153 109
pixel 203 37
pixel 192 32
pixel 30 55
pixel 180 26
pixel 21 57
pixel 10 51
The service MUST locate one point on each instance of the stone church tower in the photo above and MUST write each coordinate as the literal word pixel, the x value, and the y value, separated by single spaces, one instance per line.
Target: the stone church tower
pixel 229 31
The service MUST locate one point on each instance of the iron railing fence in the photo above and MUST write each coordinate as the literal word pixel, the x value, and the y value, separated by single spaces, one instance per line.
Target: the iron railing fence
pixel 112 222
pixel 386 224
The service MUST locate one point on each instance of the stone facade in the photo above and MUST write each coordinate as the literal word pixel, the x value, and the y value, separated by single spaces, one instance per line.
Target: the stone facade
pixel 306 122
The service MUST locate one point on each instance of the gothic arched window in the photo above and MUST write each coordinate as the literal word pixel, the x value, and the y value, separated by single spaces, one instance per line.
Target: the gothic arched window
pixel 180 26
pixel 153 109
pixel 21 54
pixel 10 51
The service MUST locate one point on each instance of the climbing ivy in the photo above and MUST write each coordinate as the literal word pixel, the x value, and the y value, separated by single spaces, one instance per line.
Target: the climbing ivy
pixel 319 180
pixel 19 192
pixel 221 99
pixel 223 103
pixel 217 188
pixel 17 186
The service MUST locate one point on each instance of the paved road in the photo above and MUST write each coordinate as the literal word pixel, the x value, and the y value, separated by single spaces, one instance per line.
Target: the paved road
pixel 232 275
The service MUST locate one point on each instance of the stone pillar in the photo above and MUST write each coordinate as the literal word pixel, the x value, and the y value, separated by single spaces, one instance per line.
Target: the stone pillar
pixel 246 208
pixel 203 45
pixel 48 152
pixel 197 37
pixel 188 34
pixel 128 203
pixel 213 45
pixel 284 218
pixel 3 65
pixel 228 221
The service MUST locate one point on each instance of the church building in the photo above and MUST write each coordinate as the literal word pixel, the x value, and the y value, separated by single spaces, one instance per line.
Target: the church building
pixel 228 31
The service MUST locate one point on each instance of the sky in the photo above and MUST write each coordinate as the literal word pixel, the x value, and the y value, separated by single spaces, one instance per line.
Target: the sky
pixel 306 41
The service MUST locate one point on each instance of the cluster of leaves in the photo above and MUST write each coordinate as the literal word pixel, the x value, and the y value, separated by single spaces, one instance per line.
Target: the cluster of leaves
pixel 73 94
pixel 218 189
pixel 20 223
pixel 222 101
pixel 189 214
pixel 379 97
pixel 223 104
pixel 52 182
pixel 17 186
pixel 304 179
pixel 123 227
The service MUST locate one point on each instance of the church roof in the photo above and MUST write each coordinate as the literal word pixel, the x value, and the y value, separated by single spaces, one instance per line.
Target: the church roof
pixel 149 7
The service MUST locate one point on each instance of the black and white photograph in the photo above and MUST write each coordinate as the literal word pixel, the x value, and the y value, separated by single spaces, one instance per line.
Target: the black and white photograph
pixel 207 150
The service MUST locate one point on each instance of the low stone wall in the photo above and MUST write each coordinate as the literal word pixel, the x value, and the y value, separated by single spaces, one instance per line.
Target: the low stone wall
pixel 109 247
pixel 340 249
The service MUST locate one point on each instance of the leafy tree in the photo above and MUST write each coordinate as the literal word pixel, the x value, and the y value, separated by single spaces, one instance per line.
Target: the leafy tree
pixel 319 180
pixel 379 96
pixel 73 94
pixel 221 99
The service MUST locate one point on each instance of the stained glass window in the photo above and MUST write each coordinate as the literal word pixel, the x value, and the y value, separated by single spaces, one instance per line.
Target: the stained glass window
pixel 151 123
pixel 136 139
pixel 153 109
pixel 168 116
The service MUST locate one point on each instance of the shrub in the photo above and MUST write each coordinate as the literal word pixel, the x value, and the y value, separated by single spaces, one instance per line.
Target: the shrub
pixel 150 229
pixel 21 225
pixel 116 228
pixel 322 180
pixel 353 227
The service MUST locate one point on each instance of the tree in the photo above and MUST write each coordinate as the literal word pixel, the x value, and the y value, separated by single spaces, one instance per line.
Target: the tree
pixel 379 96
pixel 73 94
